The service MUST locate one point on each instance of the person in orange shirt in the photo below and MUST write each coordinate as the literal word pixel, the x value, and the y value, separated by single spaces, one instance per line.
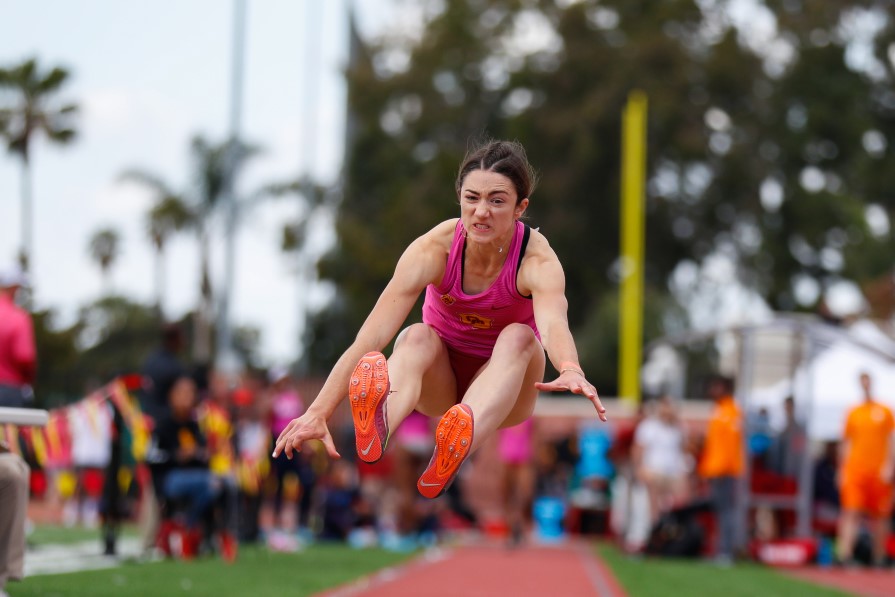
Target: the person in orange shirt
pixel 722 463
pixel 865 474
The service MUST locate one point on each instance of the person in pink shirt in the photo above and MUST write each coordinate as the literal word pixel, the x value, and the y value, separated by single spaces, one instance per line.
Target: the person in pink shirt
pixel 17 369
pixel 516 452
pixel 18 355
pixel 298 474
pixel 494 303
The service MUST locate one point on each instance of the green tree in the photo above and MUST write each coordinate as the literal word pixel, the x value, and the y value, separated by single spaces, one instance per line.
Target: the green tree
pixel 104 248
pixel 28 107
pixel 59 378
pixel 196 207
pixel 167 216
pixel 766 147
pixel 115 336
pixel 313 201
pixel 110 336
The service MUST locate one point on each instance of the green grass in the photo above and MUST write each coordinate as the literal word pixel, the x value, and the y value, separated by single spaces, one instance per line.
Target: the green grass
pixel 60 535
pixel 654 577
pixel 257 572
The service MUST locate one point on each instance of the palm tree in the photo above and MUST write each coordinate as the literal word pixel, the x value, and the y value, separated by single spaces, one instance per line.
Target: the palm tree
pixel 195 208
pixel 314 200
pixel 104 247
pixel 169 214
pixel 28 108
pixel 166 217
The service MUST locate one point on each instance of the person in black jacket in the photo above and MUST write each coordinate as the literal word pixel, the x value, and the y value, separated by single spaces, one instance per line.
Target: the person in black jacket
pixel 185 469
pixel 160 371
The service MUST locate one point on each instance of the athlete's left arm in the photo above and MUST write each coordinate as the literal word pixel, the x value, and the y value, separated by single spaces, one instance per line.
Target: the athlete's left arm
pixel 543 276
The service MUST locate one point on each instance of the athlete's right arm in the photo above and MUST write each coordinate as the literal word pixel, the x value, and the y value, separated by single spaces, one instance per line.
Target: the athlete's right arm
pixel 422 263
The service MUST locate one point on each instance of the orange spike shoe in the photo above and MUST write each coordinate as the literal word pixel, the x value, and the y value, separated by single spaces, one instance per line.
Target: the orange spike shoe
pixel 368 388
pixel 453 443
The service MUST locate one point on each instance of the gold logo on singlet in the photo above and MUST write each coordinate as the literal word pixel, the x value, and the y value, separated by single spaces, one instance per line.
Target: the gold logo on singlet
pixel 476 321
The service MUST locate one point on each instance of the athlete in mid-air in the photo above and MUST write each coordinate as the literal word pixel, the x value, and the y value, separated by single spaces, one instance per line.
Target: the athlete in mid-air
pixel 495 302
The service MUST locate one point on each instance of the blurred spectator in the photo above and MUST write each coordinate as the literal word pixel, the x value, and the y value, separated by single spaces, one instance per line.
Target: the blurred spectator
pixel 161 370
pixel 90 454
pixel 788 447
pixel 18 355
pixel 186 474
pixel 722 464
pixel 866 474
pixel 660 461
pixel 516 452
pixel 215 423
pixel 294 479
pixel 14 475
pixel 826 490
pixel 340 498
pixel 588 501
pixel 463 514
pixel 413 444
pixel 253 449
pixel 555 465
pixel 625 515
pixel 594 443
pixel 758 428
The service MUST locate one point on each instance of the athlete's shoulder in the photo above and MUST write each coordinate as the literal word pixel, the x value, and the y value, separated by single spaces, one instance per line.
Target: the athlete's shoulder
pixel 445 228
pixel 432 248
pixel 540 267
pixel 539 249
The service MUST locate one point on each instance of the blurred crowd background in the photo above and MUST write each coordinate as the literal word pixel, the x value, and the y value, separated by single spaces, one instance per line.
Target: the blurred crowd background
pixel 770 169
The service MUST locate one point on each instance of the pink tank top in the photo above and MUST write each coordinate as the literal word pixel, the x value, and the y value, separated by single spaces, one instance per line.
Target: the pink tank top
pixel 468 323
pixel 515 443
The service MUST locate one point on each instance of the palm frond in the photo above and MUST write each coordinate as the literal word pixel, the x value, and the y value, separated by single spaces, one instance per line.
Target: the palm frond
pixel 61 135
pixel 53 81
pixel 147 179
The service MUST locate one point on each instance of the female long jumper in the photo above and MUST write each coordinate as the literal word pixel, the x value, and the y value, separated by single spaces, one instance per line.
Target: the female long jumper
pixel 495 301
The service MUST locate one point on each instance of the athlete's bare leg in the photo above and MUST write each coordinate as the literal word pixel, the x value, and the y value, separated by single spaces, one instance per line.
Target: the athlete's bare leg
pixel 879 532
pixel 503 392
pixel 848 534
pixel 419 360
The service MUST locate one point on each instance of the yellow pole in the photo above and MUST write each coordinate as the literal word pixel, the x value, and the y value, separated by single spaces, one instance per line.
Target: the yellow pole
pixel 632 229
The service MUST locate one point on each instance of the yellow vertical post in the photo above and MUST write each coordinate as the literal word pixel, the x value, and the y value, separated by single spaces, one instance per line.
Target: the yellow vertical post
pixel 633 176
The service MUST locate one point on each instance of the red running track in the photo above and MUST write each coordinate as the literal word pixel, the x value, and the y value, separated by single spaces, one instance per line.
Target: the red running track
pixel 570 570
pixel 862 581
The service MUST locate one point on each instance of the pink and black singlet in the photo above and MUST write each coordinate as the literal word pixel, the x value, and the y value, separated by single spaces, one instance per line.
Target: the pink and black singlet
pixel 469 324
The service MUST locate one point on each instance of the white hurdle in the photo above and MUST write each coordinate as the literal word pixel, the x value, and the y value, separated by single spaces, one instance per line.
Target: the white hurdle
pixel 24 417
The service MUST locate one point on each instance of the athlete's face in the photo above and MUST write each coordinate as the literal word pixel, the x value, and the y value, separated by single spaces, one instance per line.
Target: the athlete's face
pixel 488 207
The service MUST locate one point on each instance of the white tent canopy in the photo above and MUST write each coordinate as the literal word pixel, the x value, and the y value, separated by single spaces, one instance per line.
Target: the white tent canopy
pixel 826 385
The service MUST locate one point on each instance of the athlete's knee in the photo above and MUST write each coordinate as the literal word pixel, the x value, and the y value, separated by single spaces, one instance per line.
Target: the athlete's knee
pixel 418 336
pixel 518 337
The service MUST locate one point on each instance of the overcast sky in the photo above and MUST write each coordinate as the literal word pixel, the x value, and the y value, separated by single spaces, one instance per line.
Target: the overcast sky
pixel 148 76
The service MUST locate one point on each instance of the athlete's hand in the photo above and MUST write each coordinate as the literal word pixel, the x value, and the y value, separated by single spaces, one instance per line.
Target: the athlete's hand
pixel 302 429
pixel 575 382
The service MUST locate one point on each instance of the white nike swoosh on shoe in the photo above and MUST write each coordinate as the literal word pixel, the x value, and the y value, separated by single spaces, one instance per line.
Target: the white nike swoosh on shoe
pixel 370 447
pixel 424 484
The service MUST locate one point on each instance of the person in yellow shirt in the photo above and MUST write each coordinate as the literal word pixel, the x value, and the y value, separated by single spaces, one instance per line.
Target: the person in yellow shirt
pixel 722 463
pixel 865 474
pixel 215 423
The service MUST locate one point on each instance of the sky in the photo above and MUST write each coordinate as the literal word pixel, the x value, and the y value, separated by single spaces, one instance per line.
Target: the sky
pixel 148 77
